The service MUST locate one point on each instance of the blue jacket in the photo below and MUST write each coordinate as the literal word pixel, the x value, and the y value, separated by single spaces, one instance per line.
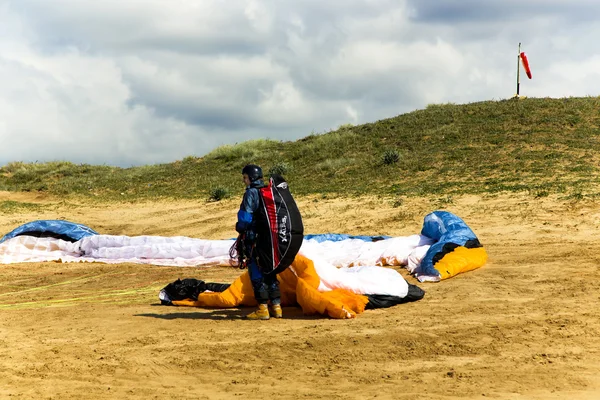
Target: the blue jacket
pixel 250 203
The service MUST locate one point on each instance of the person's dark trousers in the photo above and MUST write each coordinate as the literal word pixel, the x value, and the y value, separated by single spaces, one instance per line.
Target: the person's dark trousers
pixel 266 286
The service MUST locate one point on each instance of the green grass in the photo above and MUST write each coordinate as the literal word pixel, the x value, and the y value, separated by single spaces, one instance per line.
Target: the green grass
pixel 13 207
pixel 538 146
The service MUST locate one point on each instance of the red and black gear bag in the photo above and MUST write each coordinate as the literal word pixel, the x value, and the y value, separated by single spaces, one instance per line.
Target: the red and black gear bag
pixel 279 227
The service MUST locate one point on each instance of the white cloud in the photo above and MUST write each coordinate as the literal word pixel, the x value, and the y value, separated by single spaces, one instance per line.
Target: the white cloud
pixel 129 82
pixel 352 114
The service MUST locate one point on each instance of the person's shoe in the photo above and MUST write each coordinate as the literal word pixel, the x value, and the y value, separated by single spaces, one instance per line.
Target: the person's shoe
pixel 261 313
pixel 275 311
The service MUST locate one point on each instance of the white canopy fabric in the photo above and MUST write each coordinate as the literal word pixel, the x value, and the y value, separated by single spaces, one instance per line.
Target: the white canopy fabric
pixel 351 264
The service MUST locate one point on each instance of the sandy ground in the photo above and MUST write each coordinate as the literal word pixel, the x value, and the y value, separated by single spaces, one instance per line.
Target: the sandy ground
pixel 525 326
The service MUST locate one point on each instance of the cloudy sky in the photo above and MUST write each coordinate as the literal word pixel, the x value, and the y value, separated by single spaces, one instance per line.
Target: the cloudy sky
pixel 133 82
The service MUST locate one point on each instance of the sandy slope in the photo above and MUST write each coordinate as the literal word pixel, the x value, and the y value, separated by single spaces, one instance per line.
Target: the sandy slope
pixel 526 326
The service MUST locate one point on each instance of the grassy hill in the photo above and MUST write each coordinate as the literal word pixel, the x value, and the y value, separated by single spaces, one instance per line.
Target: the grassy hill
pixel 542 146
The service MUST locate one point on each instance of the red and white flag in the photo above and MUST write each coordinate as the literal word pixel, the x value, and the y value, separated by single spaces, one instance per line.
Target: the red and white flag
pixel 526 64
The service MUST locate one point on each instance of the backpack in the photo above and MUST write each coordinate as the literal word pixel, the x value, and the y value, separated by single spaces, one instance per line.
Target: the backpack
pixel 279 227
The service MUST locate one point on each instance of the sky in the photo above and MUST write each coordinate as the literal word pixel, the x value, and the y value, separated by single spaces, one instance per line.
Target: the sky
pixel 136 82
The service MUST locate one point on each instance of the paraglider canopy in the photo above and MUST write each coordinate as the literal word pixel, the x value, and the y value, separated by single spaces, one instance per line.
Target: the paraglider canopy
pixel 58 229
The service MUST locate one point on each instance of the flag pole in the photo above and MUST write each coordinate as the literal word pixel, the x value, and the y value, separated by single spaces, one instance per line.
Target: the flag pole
pixel 518 69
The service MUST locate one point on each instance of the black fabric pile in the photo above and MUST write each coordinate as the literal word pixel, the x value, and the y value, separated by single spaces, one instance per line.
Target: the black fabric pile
pixel 188 288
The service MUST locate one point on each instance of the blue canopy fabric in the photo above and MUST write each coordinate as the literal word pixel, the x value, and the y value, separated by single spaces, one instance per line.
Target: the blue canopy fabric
pixel 52 228
pixel 444 227
pixel 337 237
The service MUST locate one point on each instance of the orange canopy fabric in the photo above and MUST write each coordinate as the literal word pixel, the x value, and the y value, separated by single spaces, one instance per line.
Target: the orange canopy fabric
pixel 299 286
pixel 461 260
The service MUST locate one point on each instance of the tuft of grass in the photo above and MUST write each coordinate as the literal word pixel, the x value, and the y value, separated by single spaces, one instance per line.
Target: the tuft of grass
pixel 398 202
pixel 443 202
pixel 244 153
pixel 334 165
pixel 390 157
pixel 13 207
pixel 218 194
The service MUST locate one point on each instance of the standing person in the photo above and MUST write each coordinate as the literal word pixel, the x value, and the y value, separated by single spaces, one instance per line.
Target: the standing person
pixel 266 286
pixel 271 232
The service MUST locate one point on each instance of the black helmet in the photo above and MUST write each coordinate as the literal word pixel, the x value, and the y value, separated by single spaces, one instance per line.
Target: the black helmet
pixel 253 171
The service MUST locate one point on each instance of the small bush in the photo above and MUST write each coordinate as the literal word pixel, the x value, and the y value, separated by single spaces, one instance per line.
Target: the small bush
pixel 390 157
pixel 280 168
pixel 345 127
pixel 189 160
pixel 12 167
pixel 218 193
